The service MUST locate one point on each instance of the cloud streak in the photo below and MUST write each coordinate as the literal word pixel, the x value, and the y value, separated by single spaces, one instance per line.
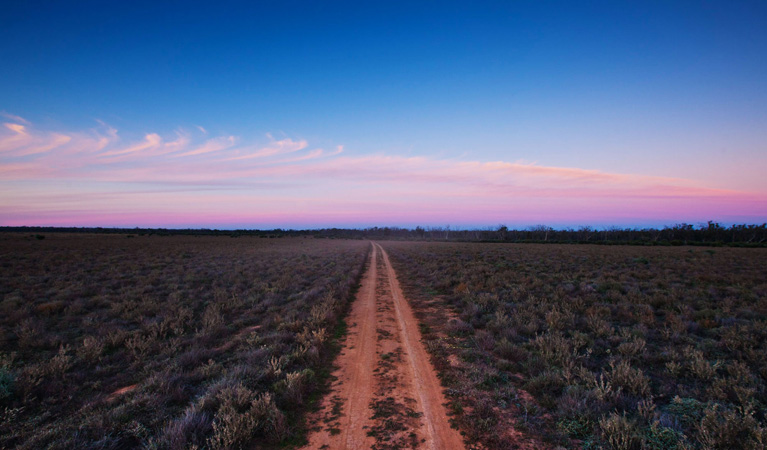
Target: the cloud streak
pixel 193 179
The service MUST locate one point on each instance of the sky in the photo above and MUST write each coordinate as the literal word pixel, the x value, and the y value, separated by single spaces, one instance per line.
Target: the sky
pixel 309 114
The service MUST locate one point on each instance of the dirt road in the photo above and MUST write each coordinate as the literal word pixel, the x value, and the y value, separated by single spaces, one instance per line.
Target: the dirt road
pixel 386 394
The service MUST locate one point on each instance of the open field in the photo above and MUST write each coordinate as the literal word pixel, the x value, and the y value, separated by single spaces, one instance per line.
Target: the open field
pixel 173 342
pixel 595 347
pixel 166 342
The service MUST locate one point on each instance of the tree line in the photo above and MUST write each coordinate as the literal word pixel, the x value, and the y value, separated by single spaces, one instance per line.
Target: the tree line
pixel 710 233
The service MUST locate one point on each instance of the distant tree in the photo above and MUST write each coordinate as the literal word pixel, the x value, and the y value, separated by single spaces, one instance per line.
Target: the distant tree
pixel 502 230
pixel 584 233
pixel 541 231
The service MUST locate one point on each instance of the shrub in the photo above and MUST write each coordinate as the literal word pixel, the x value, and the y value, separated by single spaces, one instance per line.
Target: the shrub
pixel 484 340
pixel 500 322
pixel 7 380
pixel 723 428
pixel 658 437
pixel 212 317
pixel 699 366
pixel 30 333
pixel 268 417
pixel 559 319
pixel 509 351
pixel 619 432
pixel 598 326
pixel 295 385
pixel 242 416
pixel 188 431
pixel 646 410
pixel 50 308
pixel 549 382
pixel 603 390
pixel 579 427
pixel 632 348
pixel 555 348
pixel 631 380
pixel 179 320
pixel 119 313
pixel 138 345
pixel 60 363
pixel 688 410
pixel 91 349
pixel 640 334
pixel 458 327
pixel 275 366
pixel 233 424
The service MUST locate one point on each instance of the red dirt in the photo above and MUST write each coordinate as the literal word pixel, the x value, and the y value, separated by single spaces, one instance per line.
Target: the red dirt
pixel 121 391
pixel 386 394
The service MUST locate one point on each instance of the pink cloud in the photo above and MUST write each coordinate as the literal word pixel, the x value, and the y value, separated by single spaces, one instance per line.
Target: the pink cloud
pixel 212 145
pixel 280 147
pixel 16 128
pixel 48 175
pixel 151 141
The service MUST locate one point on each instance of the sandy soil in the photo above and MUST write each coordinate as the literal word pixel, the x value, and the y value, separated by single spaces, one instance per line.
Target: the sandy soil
pixel 386 394
pixel 122 391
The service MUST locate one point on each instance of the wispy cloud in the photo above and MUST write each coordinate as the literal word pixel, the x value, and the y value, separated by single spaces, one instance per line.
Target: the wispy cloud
pixel 53 177
pixel 212 145
pixel 14 118
pixel 151 141
pixel 281 147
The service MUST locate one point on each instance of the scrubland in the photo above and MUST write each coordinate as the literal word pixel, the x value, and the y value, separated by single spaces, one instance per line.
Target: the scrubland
pixel 114 341
pixel 174 342
pixel 594 347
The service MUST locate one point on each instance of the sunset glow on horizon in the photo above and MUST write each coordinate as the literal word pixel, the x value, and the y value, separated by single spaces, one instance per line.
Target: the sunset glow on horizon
pixel 445 123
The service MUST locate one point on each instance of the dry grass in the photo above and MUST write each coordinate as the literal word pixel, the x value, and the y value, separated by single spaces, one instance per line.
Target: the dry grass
pixel 596 347
pixel 224 339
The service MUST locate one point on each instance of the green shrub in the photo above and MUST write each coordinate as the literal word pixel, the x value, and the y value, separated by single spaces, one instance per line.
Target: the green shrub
pixel 689 411
pixel 579 427
pixel 7 380
pixel 658 437
pixel 549 382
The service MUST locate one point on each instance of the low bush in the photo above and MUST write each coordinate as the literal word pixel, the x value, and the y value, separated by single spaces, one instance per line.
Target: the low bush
pixel 166 342
pixel 603 347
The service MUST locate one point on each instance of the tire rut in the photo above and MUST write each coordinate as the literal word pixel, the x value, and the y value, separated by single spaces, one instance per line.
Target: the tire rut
pixel 385 393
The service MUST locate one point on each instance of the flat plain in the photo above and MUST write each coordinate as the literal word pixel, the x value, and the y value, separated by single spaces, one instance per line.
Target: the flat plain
pixel 585 346
pixel 115 341
pixel 174 342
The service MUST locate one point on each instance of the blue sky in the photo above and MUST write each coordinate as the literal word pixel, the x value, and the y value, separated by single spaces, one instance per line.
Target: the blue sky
pixel 654 89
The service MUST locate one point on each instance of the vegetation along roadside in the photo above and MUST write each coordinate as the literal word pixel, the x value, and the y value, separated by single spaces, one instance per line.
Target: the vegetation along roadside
pixel 166 342
pixel 594 346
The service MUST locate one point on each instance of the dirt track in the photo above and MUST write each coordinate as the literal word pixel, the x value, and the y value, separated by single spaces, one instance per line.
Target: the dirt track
pixel 386 394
